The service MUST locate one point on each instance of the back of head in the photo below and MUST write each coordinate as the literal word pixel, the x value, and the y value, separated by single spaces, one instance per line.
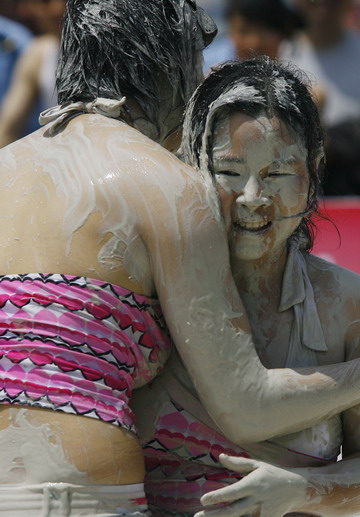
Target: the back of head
pixel 116 48
pixel 254 87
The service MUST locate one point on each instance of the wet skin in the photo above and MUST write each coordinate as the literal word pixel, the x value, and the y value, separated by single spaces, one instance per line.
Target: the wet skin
pixel 262 179
pixel 260 183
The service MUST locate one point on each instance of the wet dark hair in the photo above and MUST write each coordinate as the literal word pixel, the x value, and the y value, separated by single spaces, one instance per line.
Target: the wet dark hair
pixel 114 48
pixel 273 14
pixel 253 87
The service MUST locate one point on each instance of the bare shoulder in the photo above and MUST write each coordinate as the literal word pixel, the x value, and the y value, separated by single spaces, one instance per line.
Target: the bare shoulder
pixel 137 167
pixel 129 147
pixel 112 158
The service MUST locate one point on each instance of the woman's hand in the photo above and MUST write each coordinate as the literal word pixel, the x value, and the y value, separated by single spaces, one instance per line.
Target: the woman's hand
pixel 265 491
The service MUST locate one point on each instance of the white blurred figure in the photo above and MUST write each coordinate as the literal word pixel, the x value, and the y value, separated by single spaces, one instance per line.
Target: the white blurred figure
pixel 329 51
pixel 33 84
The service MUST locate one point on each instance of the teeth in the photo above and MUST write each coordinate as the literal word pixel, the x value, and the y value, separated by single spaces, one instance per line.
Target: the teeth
pixel 253 226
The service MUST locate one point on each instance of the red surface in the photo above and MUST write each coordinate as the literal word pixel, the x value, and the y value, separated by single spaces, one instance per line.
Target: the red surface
pixel 345 213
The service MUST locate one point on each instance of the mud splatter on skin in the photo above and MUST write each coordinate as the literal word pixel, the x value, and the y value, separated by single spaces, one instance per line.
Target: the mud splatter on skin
pixel 31 453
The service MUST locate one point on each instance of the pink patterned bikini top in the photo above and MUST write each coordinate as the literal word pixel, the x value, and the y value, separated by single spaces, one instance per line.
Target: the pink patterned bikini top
pixel 77 345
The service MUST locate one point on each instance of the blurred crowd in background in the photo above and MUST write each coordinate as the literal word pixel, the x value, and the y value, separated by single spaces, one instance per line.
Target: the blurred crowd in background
pixel 321 37
pixel 29 46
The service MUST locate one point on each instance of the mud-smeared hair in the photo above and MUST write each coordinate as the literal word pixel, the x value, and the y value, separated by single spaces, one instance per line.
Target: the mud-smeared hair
pixel 253 87
pixel 114 48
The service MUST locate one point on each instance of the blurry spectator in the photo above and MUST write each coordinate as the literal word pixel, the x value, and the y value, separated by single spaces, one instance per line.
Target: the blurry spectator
pixel 262 27
pixel 329 52
pixel 354 15
pixel 14 38
pixel 253 27
pixel 259 27
pixel 33 83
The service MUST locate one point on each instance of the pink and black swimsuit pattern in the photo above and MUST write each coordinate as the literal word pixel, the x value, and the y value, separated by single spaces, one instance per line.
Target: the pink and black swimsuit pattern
pixel 77 345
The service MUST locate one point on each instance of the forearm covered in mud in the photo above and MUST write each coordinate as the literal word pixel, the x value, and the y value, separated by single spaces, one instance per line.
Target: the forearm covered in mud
pixel 208 323
pixel 249 402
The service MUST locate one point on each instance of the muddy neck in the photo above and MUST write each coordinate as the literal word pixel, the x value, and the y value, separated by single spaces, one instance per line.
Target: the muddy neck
pixel 260 279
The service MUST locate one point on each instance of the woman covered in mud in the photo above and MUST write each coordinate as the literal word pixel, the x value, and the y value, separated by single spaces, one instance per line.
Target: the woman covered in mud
pixel 99 224
pixel 80 322
pixel 254 127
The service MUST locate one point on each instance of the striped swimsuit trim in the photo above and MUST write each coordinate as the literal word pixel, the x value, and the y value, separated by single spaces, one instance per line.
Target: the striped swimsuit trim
pixel 77 345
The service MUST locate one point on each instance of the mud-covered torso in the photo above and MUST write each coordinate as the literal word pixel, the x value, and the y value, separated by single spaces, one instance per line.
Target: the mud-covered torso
pixel 182 443
pixel 68 206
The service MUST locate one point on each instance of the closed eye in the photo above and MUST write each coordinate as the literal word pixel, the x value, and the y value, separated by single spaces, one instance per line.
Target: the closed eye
pixel 227 173
pixel 285 168
pixel 278 174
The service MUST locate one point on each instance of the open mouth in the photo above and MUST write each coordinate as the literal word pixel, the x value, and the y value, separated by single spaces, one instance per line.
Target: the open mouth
pixel 252 227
